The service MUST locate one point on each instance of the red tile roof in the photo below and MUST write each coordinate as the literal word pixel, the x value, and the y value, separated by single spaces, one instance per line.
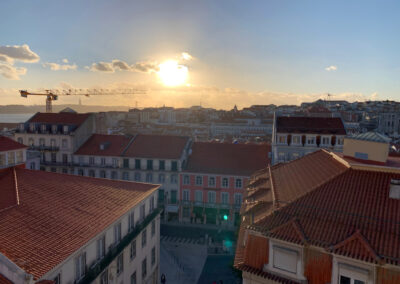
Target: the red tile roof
pixel 157 146
pixel 63 118
pixel 353 202
pixel 114 145
pixel 58 214
pixel 7 144
pixel 227 158
pixel 4 280
pixel 312 125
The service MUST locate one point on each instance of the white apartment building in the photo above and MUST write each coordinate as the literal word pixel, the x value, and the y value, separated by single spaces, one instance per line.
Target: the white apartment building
pixel 56 136
pixel 142 158
pixel 294 137
pixel 11 153
pixel 88 230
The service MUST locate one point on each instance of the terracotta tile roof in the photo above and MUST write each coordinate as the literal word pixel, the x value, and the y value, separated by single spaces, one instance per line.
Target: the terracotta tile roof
pixel 9 197
pixel 312 125
pixel 227 158
pixel 60 213
pixel 63 118
pixel 7 144
pixel 355 203
pixel 114 145
pixel 4 280
pixel 157 146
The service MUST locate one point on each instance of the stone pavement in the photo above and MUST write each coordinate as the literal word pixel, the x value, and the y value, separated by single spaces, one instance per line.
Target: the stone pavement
pixel 217 268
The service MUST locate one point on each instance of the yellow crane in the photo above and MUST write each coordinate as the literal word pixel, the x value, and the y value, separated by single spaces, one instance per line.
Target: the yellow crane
pixel 52 95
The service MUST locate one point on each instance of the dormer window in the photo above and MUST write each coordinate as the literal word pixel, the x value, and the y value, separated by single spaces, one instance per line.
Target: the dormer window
pixel 32 127
pixel 44 128
pixel 326 140
pixel 22 127
pixel 296 139
pixel 310 140
pixel 54 128
pixel 339 141
pixel 282 139
pixel 65 129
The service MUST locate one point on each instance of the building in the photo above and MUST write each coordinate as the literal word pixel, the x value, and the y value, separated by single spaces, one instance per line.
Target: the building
pixel 147 158
pixel 294 137
pixel 389 123
pixel 56 136
pixel 323 218
pixel 212 182
pixel 12 153
pixel 57 228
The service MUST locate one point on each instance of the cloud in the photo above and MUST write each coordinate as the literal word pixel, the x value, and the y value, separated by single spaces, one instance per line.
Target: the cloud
pixel 186 56
pixel 146 67
pixel 19 52
pixel 57 67
pixel 6 59
pixel 10 72
pixel 102 67
pixel 121 65
pixel 331 68
pixel 65 60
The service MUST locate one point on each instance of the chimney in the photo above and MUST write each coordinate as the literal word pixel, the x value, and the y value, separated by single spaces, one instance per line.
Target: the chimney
pixel 394 189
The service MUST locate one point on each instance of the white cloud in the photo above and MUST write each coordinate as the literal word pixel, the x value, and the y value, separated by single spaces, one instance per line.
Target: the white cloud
pixel 65 60
pixel 6 59
pixel 102 67
pixel 57 67
pixel 116 64
pixel 331 68
pixel 19 52
pixel 147 66
pixel 186 56
pixel 10 72
pixel 121 65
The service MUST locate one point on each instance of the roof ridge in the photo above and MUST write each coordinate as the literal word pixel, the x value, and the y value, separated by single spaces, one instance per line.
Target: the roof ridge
pixel 16 185
pixel 129 144
pixel 295 224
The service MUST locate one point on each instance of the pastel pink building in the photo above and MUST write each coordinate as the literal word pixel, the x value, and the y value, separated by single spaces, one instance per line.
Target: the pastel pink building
pixel 213 181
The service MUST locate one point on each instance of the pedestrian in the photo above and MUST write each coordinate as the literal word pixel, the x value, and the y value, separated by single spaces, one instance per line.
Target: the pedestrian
pixel 163 279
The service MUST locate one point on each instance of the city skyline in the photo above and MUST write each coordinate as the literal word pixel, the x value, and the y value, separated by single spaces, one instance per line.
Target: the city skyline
pixel 218 54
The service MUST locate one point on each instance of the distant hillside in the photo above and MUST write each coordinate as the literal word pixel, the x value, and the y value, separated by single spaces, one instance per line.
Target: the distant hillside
pixel 57 108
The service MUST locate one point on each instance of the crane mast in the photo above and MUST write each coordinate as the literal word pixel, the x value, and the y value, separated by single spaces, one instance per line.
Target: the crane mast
pixel 52 95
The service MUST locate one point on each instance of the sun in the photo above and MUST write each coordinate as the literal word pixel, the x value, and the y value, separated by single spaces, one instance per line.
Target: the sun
pixel 172 74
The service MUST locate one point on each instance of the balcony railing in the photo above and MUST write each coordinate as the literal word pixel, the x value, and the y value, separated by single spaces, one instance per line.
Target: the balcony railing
pixel 97 267
pixel 44 148
pixel 210 204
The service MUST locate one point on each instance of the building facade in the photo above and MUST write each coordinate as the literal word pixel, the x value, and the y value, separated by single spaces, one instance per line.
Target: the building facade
pixel 89 231
pixel 12 153
pixel 294 137
pixel 213 181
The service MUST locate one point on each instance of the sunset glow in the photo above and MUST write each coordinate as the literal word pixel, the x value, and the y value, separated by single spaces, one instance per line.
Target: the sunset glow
pixel 172 74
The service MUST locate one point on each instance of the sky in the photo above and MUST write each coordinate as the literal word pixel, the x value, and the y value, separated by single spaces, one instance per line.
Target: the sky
pixel 219 53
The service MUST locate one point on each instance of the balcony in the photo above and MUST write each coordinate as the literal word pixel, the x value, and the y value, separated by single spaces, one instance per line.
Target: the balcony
pixel 44 148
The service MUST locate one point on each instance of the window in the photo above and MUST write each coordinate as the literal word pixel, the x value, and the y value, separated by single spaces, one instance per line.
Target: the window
pixel 80 172
pixel 131 223
pixel 186 212
pixel 101 247
pixel 133 278
pixel 117 233
pixel 104 277
pixel 152 204
pixel 103 174
pixel 153 256
pixel 224 197
pixel 142 212
pixel 125 176
pixel 173 197
pixel 53 142
pixel 149 177
pixel 359 155
pixel 185 195
pixel 65 129
pixel 186 179
pixel 144 268
pixel 120 263
pixel 161 195
pixel 31 142
pixel 211 196
pixel 102 161
pixel 149 164
pixel 339 141
pixel 53 170
pixel 33 166
pixel 44 128
pixel 19 156
pixel 53 157
pixel 133 249
pixel 310 140
pixel 211 181
pixel 65 158
pixel 326 140
pixel 281 139
pixel 57 279
pixel 349 274
pixel 225 182
pixel 80 160
pixel 161 178
pixel 63 170
pixel 296 139
pixel 238 183
pixel 174 179
pixel 41 142
pixel 144 238
pixel 92 173
pixel 238 199
pixel 64 143
pixel 11 158
pixel 174 166
pixel 285 259
pixel 153 228
pixel 32 127
pixel 137 176
pixel 137 164
pixel 20 140
pixel 199 180
pixel 115 162
pixel 91 160
pixel 114 175
pixel 80 266
pixel 126 163
pixel 161 165
pixel 199 196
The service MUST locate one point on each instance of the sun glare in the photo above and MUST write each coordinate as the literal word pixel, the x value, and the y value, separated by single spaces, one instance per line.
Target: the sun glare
pixel 172 74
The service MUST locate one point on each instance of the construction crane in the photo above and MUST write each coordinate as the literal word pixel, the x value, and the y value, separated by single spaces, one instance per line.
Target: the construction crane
pixel 52 95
